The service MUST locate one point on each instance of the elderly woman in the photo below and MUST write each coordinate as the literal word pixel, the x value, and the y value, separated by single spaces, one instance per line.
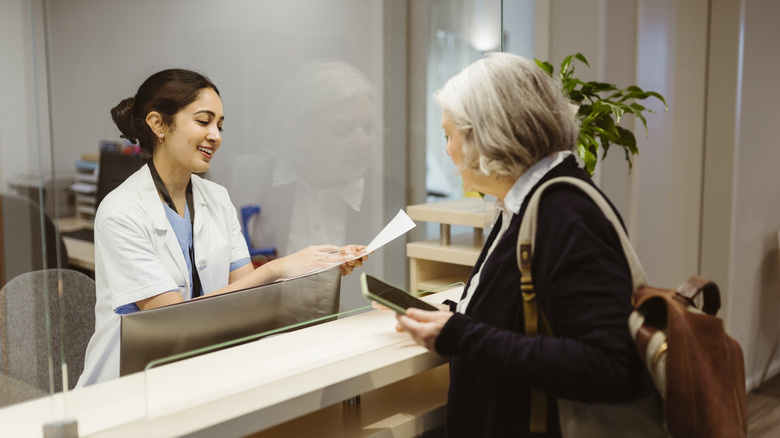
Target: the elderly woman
pixel 509 128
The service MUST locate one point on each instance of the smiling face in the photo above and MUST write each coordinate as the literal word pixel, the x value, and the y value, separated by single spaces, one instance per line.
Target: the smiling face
pixel 190 142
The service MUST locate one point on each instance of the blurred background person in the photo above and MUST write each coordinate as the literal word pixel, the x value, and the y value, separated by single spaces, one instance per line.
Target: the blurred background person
pixel 308 176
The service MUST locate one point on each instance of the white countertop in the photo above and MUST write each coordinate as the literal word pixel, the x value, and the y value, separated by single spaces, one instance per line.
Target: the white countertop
pixel 240 390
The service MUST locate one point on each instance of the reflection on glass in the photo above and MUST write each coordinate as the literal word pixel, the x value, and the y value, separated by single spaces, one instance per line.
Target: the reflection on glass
pixel 316 149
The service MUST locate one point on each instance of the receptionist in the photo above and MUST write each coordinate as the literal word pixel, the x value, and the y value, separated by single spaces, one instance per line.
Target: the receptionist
pixel 166 235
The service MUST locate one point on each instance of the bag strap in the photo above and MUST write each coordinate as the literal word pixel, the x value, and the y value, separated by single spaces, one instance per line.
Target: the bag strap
pixel 528 225
pixel 535 322
pixel 697 286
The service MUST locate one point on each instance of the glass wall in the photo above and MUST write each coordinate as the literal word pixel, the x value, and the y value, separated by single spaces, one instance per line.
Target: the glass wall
pixel 461 32
pixel 302 84
pixel 458 33
pixel 314 147
pixel 32 196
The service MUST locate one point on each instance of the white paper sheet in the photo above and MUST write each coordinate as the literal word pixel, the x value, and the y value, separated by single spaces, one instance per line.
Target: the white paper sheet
pixel 396 228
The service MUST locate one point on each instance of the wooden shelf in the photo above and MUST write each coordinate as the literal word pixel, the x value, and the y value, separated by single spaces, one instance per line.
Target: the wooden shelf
pixel 463 250
pixel 465 211
pixel 426 275
pixel 440 282
pixel 449 259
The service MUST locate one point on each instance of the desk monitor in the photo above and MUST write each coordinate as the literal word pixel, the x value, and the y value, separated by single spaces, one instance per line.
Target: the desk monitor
pixel 184 327
pixel 113 170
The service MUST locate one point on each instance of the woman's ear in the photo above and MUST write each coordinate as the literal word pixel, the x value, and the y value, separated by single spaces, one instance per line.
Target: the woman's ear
pixel 155 121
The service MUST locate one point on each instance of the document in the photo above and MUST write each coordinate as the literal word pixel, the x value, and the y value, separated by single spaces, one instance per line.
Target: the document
pixel 396 228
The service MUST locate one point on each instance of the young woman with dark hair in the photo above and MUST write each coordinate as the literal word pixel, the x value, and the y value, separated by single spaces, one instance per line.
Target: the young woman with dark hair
pixel 167 235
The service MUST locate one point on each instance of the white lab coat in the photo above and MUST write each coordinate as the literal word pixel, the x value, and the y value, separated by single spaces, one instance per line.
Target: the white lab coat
pixel 137 256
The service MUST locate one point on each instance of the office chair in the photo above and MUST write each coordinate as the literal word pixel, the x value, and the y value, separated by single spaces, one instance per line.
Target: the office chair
pixel 24 344
pixel 21 238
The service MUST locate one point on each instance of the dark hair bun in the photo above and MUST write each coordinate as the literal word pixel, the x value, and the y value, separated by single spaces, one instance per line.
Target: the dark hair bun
pixel 122 115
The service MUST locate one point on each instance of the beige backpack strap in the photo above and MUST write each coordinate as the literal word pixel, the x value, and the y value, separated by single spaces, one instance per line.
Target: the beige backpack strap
pixel 528 226
pixel 531 312
pixel 535 323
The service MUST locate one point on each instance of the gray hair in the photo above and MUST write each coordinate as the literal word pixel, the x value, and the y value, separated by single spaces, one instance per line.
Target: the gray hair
pixel 510 112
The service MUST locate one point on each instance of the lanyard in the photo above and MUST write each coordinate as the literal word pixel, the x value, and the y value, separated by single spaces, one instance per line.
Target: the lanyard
pixel 197 290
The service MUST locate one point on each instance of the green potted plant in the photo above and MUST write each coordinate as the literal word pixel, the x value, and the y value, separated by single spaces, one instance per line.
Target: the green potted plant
pixel 601 108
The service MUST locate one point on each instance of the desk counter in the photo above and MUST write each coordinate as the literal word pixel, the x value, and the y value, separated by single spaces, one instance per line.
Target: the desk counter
pixel 262 386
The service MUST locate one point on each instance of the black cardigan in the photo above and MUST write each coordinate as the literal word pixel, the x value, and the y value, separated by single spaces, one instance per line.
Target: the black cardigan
pixel 583 284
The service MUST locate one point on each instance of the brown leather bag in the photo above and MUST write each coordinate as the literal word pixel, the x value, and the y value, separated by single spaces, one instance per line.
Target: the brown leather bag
pixel 696 366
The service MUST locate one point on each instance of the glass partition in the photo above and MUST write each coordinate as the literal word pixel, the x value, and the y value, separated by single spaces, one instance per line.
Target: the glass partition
pixel 250 368
pixel 314 148
pixel 304 151
pixel 33 195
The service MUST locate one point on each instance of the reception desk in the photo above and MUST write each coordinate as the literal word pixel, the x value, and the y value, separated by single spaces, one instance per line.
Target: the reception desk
pixel 292 384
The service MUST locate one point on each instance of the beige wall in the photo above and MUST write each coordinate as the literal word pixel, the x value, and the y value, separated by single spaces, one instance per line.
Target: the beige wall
pixel 659 46
pixel 708 195
pixel 704 195
pixel 754 299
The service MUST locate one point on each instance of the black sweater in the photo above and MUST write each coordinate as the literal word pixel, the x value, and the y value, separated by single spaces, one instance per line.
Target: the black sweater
pixel 583 284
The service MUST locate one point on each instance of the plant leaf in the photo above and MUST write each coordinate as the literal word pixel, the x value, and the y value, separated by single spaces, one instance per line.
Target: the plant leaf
pixel 585 148
pixel 628 158
pixel 546 66
pixel 599 87
pixel 627 140
pixel 566 63
pixel 581 58
pixel 601 107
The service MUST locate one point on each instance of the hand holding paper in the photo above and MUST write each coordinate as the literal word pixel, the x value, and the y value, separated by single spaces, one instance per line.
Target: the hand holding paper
pixel 397 227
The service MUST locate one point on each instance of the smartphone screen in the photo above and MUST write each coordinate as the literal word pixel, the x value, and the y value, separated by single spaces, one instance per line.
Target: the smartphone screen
pixel 391 296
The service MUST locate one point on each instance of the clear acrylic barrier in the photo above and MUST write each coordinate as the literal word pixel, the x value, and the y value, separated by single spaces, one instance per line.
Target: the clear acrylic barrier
pixel 316 135
pixel 211 373
pixel 36 288
pixel 196 324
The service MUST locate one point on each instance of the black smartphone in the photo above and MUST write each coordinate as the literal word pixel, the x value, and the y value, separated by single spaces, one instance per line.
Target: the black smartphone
pixel 391 296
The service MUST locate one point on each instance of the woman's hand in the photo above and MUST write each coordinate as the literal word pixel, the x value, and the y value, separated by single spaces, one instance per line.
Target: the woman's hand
pixel 308 259
pixel 349 252
pixel 319 256
pixel 423 325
